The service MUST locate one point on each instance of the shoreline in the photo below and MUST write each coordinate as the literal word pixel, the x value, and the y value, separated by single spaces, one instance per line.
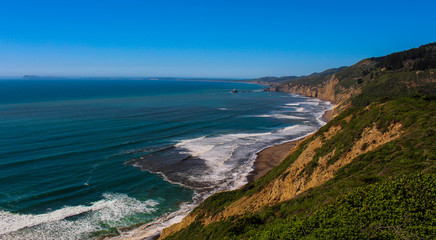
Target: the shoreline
pixel 266 159
pixel 270 157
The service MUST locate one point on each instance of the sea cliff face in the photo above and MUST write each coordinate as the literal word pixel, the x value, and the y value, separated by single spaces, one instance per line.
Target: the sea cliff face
pixel 384 128
pixel 324 91
pixel 328 90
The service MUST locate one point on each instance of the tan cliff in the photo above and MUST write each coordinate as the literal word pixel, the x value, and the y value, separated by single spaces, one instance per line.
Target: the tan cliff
pixel 324 91
pixel 329 90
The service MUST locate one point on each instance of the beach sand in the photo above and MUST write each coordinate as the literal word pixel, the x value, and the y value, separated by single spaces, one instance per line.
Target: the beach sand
pixel 270 157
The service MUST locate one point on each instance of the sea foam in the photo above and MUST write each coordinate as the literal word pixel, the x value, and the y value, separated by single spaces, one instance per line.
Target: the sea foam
pixel 280 116
pixel 73 222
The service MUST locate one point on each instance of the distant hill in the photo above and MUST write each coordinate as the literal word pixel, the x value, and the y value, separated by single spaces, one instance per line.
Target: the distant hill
pixel 314 77
pixel 273 80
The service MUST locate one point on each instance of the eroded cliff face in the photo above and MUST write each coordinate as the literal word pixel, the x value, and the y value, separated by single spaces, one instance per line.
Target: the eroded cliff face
pixel 329 90
pixel 294 181
pixel 324 91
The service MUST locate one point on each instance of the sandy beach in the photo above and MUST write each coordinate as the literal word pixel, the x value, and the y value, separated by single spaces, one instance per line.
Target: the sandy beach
pixel 270 157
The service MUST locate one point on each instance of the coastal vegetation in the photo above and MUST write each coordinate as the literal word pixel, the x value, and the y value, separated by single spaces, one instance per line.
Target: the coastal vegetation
pixel 369 173
pixel 392 209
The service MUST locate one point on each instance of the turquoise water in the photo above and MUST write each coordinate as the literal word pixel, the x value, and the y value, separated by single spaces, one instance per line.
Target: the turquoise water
pixel 82 157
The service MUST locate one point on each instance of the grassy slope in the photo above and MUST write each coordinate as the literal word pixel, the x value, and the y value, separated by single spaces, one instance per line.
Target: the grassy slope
pixel 370 197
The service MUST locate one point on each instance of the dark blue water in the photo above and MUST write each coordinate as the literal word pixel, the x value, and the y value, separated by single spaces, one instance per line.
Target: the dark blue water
pixel 79 158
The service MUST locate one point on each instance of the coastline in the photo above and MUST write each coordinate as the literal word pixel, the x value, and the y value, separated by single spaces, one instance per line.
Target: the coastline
pixel 272 156
pixel 266 159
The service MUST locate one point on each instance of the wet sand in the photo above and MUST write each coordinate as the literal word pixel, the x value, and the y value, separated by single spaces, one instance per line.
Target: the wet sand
pixel 270 157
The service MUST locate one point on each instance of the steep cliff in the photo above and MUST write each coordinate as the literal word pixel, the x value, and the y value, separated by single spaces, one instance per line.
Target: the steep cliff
pixel 333 86
pixel 385 128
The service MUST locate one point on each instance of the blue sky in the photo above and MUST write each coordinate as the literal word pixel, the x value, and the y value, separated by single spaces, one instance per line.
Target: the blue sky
pixel 186 38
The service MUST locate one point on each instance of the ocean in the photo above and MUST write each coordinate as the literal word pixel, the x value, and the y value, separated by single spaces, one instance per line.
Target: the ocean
pixel 82 158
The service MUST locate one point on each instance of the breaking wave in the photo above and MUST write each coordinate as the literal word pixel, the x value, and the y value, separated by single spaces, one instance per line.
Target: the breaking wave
pixel 73 222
